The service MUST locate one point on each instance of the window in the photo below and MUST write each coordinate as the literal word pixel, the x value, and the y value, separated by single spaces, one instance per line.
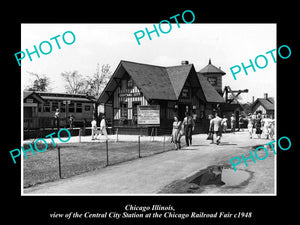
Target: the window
pixel 79 107
pixel 87 108
pixel 134 108
pixel 62 107
pixel 185 93
pixel 130 83
pixel 212 80
pixel 124 109
pixel 46 107
pixel 71 107
pixel 123 85
pixel 54 106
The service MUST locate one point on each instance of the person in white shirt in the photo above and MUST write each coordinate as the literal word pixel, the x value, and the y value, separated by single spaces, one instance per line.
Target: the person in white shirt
pixel 267 126
pixel 224 122
pixel 250 125
pixel 56 118
pixel 216 127
pixel 94 129
pixel 103 127
pixel 232 123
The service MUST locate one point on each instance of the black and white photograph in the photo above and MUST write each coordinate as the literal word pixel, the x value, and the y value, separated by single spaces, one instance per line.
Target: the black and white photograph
pixel 165 116
pixel 131 114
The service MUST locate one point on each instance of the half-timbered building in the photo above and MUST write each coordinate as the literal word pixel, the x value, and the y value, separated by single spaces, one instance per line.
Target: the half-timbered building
pixel 176 89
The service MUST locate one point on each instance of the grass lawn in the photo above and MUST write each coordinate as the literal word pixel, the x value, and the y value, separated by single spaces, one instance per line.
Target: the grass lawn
pixel 77 158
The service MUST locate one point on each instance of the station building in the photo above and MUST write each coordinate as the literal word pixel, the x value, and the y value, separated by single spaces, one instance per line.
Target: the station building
pixel 176 89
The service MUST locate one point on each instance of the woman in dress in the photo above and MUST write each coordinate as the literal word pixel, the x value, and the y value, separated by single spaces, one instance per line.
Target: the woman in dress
pixel 210 131
pixel 250 124
pixel 258 125
pixel 176 133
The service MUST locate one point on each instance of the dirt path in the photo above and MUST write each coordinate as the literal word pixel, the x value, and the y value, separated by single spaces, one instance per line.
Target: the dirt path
pixel 148 175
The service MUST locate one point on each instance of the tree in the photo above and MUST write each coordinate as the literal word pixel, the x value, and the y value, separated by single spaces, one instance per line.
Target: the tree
pixel 94 85
pixel 75 82
pixel 41 83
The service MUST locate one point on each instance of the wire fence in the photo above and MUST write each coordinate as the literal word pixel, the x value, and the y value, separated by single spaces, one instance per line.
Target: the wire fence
pixel 69 159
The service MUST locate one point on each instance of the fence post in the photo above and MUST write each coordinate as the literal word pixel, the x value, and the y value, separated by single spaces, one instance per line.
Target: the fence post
pixel 152 134
pixel 107 162
pixel 59 167
pixel 139 144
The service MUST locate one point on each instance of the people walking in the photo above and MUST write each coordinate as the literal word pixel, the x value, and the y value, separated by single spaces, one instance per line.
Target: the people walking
pixel 266 121
pixel 216 126
pixel 272 127
pixel 189 126
pixel 210 131
pixel 176 133
pixel 250 124
pixel 103 127
pixel 94 128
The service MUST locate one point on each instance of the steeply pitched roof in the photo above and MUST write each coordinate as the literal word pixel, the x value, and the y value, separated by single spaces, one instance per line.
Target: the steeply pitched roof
pixel 209 91
pixel 211 69
pixel 267 103
pixel 178 76
pixel 27 94
pixel 156 82
pixel 153 81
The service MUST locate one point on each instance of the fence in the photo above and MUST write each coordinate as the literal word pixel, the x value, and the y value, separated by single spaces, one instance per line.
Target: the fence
pixel 69 159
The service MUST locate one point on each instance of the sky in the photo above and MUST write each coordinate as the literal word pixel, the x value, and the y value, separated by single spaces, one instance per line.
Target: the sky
pixel 226 45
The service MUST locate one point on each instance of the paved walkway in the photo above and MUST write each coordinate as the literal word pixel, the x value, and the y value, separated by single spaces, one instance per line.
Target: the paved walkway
pixel 148 175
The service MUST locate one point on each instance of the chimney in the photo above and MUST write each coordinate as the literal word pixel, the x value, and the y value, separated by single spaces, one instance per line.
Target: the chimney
pixel 184 62
pixel 252 99
pixel 265 95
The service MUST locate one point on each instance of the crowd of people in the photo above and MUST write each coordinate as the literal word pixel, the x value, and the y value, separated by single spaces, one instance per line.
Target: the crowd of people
pixel 261 125
pixel 257 123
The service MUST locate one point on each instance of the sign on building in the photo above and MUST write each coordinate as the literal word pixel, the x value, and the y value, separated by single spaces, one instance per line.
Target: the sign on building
pixel 148 115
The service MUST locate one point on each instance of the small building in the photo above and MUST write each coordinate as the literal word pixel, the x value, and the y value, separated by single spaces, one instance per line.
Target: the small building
pixel 213 76
pixel 40 107
pixel 264 105
pixel 176 89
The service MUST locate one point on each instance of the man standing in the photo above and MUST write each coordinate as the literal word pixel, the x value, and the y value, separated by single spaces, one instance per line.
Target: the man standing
pixel 224 122
pixel 71 120
pixel 94 128
pixel 232 123
pixel 56 118
pixel 189 126
pixel 216 126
